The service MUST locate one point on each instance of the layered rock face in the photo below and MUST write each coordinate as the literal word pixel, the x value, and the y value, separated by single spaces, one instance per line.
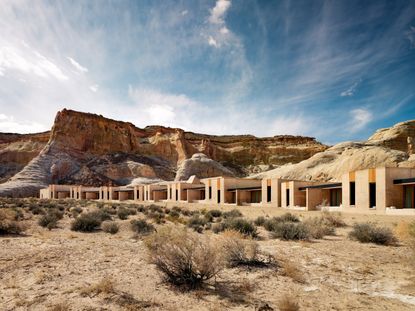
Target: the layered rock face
pixel 392 147
pixel 17 150
pixel 89 149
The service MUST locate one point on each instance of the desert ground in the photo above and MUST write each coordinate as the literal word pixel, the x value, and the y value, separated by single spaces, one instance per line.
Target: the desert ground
pixel 62 269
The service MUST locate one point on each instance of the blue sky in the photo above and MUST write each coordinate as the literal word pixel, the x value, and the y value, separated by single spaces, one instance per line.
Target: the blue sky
pixel 335 70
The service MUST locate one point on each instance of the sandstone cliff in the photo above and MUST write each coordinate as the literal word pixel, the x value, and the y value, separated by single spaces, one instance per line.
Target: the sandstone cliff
pixel 387 147
pixel 17 150
pixel 92 150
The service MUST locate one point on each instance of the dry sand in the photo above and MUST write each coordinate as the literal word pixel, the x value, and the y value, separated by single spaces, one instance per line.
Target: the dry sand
pixel 65 270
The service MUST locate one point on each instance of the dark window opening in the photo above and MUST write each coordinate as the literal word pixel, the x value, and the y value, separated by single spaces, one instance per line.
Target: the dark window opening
pixel 210 193
pixel 177 195
pixel 372 195
pixel 170 194
pixel 288 196
pixel 138 194
pixel 335 197
pixel 409 195
pixel 218 196
pixel 256 197
pixel 268 193
pixel 352 193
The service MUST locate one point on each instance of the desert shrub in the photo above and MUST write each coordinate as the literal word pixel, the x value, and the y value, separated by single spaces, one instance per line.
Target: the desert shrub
pixel 232 214
pixel 176 209
pixel 156 209
pixel 158 218
pixel 288 217
pixel 370 233
pixel 87 222
pixel 243 226
pixel 141 227
pixel 36 209
pixel 290 231
pixel 110 227
pixel 271 224
pixel 333 219
pixel 8 224
pixel 109 210
pixel 174 214
pixel 185 258
pixel 218 227
pixel 318 227
pixel 260 221
pixel 75 211
pixel 101 214
pixel 123 213
pixel 241 252
pixel 50 220
pixel 197 223
pixel 214 213
pixel 140 208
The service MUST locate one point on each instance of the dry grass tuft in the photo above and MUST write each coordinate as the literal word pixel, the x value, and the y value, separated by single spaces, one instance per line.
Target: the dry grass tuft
pixel 288 303
pixel 405 231
pixel 61 306
pixel 105 286
pixel 292 270
pixel 242 252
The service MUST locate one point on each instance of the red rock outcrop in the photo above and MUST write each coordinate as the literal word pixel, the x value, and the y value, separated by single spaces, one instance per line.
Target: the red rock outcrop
pixel 84 144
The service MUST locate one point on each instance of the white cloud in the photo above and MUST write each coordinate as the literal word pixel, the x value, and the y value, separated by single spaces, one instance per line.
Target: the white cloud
pixel 160 108
pixel 410 35
pixel 290 125
pixel 78 66
pixel 360 118
pixel 9 125
pixel 184 12
pixel 351 90
pixel 94 88
pixel 212 42
pixel 28 61
pixel 217 14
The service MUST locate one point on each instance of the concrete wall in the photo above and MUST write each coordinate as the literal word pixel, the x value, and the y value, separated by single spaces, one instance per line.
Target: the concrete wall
pixel 275 184
pixel 314 197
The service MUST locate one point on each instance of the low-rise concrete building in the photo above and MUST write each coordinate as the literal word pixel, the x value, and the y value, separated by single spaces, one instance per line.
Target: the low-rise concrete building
pixel 292 194
pixel 231 190
pixel 379 190
pixel 190 191
pixel 271 191
pixel 323 196
pixel 155 192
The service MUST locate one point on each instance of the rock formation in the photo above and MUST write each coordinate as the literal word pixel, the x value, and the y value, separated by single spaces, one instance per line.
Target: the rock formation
pixel 17 150
pixel 89 149
pixel 201 166
pixel 387 147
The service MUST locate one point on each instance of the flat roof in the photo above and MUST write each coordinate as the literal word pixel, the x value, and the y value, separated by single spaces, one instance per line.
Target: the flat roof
pixel 404 181
pixel 325 186
pixel 244 188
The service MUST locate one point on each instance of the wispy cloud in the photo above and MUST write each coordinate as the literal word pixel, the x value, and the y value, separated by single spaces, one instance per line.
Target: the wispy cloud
pixel 410 35
pixel 351 90
pixel 78 66
pixel 217 14
pixel 360 118
pixel 28 61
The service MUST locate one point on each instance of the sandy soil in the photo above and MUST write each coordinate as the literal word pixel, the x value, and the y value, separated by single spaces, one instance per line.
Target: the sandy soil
pixel 65 270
